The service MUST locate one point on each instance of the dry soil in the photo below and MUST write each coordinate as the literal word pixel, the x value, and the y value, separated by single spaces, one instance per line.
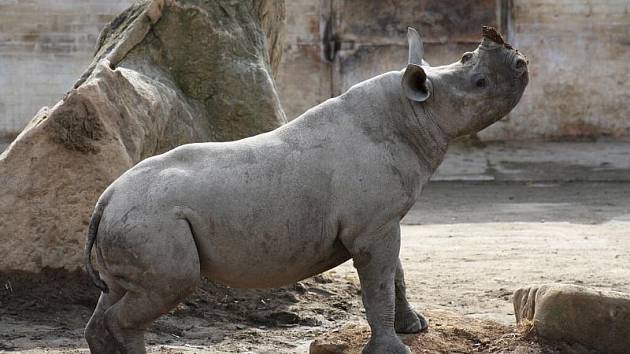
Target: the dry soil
pixel 466 247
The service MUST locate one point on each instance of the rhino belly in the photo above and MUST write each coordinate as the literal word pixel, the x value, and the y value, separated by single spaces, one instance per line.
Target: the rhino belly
pixel 271 258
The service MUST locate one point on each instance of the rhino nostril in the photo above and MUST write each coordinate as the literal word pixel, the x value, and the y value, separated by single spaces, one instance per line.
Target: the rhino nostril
pixel 520 64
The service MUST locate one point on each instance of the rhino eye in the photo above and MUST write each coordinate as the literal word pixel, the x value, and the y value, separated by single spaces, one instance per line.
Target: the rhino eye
pixel 479 81
pixel 466 57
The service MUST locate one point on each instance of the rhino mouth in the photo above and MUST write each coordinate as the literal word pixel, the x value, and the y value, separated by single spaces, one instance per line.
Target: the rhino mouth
pixel 520 67
pixel 525 77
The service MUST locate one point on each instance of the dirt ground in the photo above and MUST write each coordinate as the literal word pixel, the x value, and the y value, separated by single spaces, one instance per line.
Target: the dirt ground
pixel 48 312
pixel 466 247
pixel 450 333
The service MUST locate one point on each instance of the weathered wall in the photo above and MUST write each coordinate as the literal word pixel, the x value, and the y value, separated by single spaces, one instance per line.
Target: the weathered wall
pixel 44 46
pixel 304 79
pixel 579 50
pixel 372 39
pixel 373 34
pixel 579 53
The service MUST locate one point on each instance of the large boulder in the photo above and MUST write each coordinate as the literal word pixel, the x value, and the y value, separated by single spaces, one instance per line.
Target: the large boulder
pixel 596 319
pixel 165 73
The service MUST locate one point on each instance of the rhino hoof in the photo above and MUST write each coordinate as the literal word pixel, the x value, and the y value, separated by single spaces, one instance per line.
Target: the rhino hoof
pixel 391 345
pixel 410 321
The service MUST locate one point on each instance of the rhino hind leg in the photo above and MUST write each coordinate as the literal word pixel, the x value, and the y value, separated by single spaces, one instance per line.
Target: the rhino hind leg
pixel 128 319
pixel 98 337
pixel 165 271
pixel 407 319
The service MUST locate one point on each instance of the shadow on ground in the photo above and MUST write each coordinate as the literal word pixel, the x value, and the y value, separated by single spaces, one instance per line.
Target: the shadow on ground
pixel 50 310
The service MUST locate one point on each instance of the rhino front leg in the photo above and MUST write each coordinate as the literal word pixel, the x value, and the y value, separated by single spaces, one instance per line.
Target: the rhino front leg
pixel 375 258
pixel 407 319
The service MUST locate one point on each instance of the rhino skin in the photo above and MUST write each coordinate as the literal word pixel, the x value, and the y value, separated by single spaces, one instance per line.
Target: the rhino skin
pixel 282 206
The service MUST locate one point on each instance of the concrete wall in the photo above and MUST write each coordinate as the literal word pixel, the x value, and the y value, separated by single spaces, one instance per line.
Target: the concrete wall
pixel 44 47
pixel 304 79
pixel 579 52
pixel 372 39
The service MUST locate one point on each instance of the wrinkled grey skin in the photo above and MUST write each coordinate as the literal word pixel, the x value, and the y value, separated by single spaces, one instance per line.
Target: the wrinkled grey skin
pixel 282 206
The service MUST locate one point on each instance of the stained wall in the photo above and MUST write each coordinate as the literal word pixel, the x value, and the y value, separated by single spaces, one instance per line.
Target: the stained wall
pixel 44 46
pixel 579 53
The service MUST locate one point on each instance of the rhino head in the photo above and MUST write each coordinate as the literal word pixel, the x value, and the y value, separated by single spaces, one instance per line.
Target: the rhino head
pixel 470 94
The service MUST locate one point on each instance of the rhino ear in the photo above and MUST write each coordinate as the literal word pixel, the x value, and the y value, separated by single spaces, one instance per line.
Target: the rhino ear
pixel 416 48
pixel 415 83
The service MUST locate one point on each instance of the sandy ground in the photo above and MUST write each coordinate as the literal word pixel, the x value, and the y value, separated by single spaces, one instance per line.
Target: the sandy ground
pixel 466 247
pixel 47 313
pixel 450 333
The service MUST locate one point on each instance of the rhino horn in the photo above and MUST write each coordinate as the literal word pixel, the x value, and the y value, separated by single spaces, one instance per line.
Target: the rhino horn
pixel 416 48
pixel 492 34
pixel 492 37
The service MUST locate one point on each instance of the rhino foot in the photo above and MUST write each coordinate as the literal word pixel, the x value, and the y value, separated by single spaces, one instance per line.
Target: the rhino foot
pixel 409 321
pixel 383 344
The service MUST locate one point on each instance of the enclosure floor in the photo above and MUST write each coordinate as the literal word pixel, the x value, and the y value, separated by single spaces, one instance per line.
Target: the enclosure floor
pixel 495 217
pixel 465 248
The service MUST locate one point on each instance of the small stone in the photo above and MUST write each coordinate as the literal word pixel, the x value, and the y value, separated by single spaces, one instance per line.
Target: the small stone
pixel 311 322
pixel 319 346
pixel 285 318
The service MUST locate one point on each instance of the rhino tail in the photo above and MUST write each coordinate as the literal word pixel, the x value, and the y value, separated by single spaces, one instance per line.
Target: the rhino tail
pixel 91 239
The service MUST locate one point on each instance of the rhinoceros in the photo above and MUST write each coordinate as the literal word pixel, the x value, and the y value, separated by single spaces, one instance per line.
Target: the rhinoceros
pixel 278 207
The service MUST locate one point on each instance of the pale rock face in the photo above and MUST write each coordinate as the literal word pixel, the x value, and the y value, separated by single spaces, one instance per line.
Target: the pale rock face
pixel 151 87
pixel 278 207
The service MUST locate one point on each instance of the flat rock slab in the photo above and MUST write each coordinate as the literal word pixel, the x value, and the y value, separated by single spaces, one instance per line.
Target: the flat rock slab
pixel 448 333
pixel 594 318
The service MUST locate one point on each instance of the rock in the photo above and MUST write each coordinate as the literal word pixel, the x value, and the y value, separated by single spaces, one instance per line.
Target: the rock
pixel 315 321
pixel 284 318
pixel 320 346
pixel 596 319
pixel 165 73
